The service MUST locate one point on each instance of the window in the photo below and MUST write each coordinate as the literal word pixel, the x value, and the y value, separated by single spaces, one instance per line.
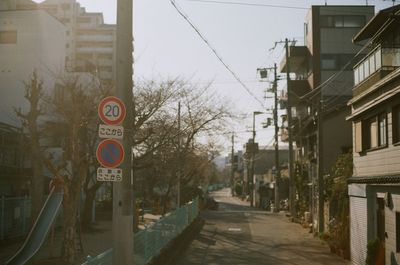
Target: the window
pixel 374 132
pixel 396 124
pixel 84 19
pixel 358 137
pixel 340 21
pixel 328 63
pixel 382 137
pixel 353 21
pixel 8 37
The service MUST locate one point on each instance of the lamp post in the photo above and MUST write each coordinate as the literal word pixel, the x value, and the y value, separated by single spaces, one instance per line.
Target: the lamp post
pixel 253 154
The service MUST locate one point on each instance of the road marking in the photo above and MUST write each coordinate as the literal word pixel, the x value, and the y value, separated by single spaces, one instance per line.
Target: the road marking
pixel 234 229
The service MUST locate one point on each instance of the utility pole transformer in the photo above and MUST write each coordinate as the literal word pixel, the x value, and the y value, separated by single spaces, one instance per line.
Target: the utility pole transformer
pixel 123 191
pixel 290 135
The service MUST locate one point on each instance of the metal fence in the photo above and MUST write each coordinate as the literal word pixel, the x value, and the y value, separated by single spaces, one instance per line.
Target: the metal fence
pixel 149 242
pixel 15 216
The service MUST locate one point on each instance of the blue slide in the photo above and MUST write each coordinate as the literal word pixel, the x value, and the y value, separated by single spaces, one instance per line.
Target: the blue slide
pixel 40 229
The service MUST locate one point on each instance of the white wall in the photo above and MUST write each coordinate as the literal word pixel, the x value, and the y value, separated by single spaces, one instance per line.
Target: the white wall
pixel 40 46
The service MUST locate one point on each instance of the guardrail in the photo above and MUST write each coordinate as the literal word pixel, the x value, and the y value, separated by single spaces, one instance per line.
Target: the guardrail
pixel 149 242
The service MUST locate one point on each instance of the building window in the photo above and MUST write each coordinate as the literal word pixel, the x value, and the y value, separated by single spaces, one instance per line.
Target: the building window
pixel 84 19
pixel 329 62
pixel 374 132
pixel 396 124
pixel 382 136
pixel 358 137
pixel 340 21
pixel 8 37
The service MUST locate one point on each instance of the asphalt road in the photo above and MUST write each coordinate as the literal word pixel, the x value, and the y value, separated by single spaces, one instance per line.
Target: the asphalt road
pixel 239 235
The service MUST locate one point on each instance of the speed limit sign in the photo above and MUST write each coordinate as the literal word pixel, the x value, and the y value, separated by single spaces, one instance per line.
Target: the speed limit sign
pixel 112 110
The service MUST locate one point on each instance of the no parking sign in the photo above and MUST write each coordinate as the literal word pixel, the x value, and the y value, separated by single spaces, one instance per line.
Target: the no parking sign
pixel 110 153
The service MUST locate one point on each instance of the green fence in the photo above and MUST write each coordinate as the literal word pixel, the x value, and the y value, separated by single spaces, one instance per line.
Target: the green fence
pixel 149 242
pixel 15 214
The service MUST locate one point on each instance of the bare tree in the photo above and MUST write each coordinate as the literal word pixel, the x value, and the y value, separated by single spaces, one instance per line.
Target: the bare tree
pixel 34 95
pixel 75 106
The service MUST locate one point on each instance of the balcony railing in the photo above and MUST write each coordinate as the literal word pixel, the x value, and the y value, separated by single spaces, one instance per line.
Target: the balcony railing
pixel 379 58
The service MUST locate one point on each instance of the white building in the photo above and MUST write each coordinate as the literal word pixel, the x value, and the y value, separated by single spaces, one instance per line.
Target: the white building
pixel 30 39
pixel 90 43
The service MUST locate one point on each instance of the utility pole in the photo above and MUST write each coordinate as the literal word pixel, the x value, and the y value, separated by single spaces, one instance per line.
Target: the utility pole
pixel 320 160
pixel 123 190
pixel 289 116
pixel 253 155
pixel 232 163
pixel 277 167
pixel 179 156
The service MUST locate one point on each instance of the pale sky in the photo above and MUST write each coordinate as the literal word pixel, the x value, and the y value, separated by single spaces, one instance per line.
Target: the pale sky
pixel 167 47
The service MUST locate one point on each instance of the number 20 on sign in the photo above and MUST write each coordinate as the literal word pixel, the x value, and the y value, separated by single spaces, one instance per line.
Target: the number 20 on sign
pixel 112 110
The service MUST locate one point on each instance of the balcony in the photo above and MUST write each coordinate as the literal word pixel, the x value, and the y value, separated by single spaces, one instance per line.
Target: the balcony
pixel 376 65
pixel 298 56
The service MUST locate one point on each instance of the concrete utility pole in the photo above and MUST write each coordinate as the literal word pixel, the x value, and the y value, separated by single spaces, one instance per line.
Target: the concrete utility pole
pixel 320 168
pixel 289 116
pixel 277 167
pixel 232 164
pixel 179 156
pixel 253 155
pixel 123 191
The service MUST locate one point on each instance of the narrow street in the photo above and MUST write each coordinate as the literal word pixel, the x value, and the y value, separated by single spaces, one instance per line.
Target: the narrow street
pixel 239 235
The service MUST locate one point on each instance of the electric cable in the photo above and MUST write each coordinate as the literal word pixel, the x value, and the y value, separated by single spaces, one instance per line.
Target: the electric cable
pixel 215 52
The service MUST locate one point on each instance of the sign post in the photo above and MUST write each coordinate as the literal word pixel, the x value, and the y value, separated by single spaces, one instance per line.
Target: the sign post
pixel 123 191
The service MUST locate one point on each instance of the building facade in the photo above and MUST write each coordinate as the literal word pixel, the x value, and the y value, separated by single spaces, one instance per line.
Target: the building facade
pixel 90 43
pixel 320 86
pixel 374 189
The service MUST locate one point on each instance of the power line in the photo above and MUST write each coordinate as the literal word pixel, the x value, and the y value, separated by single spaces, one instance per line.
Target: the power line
pixel 215 52
pixel 247 4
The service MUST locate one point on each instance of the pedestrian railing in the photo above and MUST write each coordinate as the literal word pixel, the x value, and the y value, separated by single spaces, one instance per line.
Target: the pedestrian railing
pixel 15 216
pixel 149 242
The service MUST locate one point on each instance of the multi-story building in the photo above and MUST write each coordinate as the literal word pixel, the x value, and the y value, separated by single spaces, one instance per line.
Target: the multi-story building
pixel 90 43
pixel 374 189
pixel 320 86
pixel 30 40
pixel 264 177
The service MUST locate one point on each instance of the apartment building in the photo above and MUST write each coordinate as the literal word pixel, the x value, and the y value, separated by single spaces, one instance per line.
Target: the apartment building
pixel 90 43
pixel 374 189
pixel 320 86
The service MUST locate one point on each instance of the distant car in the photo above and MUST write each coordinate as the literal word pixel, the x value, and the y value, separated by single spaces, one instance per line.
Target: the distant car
pixel 211 203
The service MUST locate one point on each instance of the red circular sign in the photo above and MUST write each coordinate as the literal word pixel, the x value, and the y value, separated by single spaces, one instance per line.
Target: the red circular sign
pixel 110 153
pixel 112 110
